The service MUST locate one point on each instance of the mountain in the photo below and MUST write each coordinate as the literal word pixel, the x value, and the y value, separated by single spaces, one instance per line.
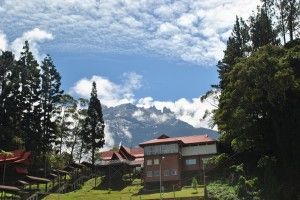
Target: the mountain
pixel 131 125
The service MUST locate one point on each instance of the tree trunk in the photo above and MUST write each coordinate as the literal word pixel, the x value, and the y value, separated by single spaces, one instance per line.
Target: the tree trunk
pixel 73 146
pixel 290 22
pixel 80 151
pixel 282 24
pixel 93 156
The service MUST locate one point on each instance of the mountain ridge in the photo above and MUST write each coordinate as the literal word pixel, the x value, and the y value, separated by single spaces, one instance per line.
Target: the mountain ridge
pixel 130 125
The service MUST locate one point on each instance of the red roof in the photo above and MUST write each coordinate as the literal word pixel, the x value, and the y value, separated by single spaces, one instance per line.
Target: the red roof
pixel 116 154
pixel 186 140
pixel 136 152
pixel 17 156
pixel 106 155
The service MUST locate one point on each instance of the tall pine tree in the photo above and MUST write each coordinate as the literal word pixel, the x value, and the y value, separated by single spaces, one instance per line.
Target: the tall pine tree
pixel 261 29
pixel 293 12
pixel 9 81
pixel 93 131
pixel 29 99
pixel 50 95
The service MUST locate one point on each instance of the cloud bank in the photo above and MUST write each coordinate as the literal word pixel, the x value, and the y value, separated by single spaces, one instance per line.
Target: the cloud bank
pixel 112 94
pixel 192 30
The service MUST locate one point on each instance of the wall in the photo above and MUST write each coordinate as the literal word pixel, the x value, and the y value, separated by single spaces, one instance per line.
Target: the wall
pixel 170 162
pixel 199 150
pixel 161 149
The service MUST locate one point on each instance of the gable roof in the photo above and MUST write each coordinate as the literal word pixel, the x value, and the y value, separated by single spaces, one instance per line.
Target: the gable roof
pixel 123 153
pixel 163 136
pixel 185 140
pixel 106 155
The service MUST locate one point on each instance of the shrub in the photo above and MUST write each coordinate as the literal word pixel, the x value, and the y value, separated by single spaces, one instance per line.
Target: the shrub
pixel 194 183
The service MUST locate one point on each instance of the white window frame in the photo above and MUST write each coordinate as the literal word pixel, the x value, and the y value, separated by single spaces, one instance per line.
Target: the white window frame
pixel 173 172
pixel 149 174
pixel 156 173
pixel 149 162
pixel 156 161
pixel 166 172
pixel 191 161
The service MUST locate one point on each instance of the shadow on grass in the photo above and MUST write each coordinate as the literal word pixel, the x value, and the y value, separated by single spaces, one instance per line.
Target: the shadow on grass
pixel 113 185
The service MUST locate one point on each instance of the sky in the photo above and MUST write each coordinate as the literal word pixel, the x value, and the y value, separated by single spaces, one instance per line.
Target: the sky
pixel 146 52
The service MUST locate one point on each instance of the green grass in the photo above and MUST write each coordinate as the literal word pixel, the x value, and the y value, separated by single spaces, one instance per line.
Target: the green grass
pixel 87 192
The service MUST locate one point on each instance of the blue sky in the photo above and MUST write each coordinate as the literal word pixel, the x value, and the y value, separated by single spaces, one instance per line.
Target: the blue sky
pixel 163 78
pixel 146 52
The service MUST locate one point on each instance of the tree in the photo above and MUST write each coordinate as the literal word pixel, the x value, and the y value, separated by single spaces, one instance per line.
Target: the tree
pixel 67 109
pixel 93 129
pixel 261 29
pixel 237 47
pixel 78 118
pixel 8 104
pixel 281 17
pixel 194 183
pixel 29 99
pixel 50 96
pixel 258 112
pixel 293 12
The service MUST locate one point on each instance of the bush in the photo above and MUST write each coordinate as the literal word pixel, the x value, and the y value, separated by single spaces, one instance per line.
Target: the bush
pixel 221 191
pixel 194 183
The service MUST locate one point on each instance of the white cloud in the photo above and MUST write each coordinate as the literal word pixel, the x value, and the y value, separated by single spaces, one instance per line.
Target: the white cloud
pixel 159 118
pixel 34 37
pixel 188 111
pixel 109 138
pixel 3 41
pixel 168 28
pixel 187 20
pixel 139 115
pixel 191 30
pixel 110 93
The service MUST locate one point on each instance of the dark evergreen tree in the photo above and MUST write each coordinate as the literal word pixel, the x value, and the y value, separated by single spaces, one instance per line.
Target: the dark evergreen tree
pixel 50 96
pixel 281 17
pixel 66 109
pixel 261 29
pixel 9 81
pixel 237 47
pixel 29 99
pixel 93 130
pixel 292 15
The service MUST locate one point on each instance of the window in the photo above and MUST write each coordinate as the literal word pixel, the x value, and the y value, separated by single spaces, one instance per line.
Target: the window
pixel 156 173
pixel 149 173
pixel 190 161
pixel 149 162
pixel 167 173
pixel 173 172
pixel 156 161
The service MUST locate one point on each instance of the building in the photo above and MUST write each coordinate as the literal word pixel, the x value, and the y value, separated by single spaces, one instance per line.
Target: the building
pixel 175 160
pixel 116 163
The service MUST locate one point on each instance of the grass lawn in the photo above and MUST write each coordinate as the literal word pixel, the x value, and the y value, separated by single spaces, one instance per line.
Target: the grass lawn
pixel 87 192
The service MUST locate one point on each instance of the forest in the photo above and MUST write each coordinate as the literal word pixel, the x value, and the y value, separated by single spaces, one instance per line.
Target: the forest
pixel 36 115
pixel 258 115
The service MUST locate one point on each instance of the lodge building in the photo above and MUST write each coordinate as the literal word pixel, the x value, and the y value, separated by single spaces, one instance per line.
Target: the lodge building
pixel 174 160
pixel 113 164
